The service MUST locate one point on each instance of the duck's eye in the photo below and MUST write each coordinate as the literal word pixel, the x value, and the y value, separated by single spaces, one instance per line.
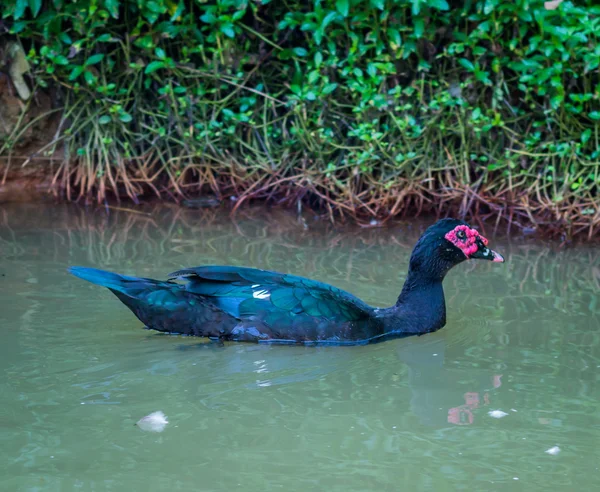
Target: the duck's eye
pixel 461 235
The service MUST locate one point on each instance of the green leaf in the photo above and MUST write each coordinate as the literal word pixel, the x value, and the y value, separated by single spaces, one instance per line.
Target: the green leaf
pixel 238 14
pixel 113 8
pixel 76 72
pixel 144 42
pixel 394 36
pixel 154 66
pixel 313 76
pixel 439 4
pixel 64 37
pixel 61 60
pixel 228 113
pixel 160 53
pixel 125 117
pixel 228 30
pixel 89 77
pixel 328 19
pixel 209 18
pixel 595 115
pixel 155 7
pixel 467 64
pixel 35 6
pixel 556 101
pixel 378 4
pixel 343 7
pixel 488 6
pixel 300 51
pixel 416 7
pixel 318 59
pixel 285 54
pixel 419 27
pixel 524 15
pixel 103 120
pixel 17 27
pixel 178 11
pixel 585 136
pixel 92 60
pixel 329 88
pixel 20 7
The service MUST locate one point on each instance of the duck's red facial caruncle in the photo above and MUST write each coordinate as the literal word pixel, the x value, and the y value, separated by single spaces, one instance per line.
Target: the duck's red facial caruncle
pixel 472 244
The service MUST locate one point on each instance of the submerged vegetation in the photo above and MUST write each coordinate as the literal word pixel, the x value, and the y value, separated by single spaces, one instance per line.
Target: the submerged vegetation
pixel 367 108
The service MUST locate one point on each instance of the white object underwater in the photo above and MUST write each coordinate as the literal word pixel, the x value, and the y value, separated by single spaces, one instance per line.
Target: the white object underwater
pixel 497 414
pixel 155 422
pixel 553 450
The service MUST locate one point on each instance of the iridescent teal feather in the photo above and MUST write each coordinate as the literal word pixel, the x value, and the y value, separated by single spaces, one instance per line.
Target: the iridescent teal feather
pixel 257 291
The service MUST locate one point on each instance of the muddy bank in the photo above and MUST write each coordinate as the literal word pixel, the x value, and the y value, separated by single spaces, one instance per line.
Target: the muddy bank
pixel 28 130
pixel 27 184
pixel 30 180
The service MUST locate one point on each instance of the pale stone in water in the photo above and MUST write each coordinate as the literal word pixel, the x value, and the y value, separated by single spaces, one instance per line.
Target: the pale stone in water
pixel 497 414
pixel 155 422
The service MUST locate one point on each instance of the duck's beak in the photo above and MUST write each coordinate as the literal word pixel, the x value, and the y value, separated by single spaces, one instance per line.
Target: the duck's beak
pixel 485 253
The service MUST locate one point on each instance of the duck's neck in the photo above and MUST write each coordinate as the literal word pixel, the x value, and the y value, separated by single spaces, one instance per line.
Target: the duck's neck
pixel 420 308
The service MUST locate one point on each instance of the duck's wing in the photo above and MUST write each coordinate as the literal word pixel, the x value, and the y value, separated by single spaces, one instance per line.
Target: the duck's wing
pixel 273 298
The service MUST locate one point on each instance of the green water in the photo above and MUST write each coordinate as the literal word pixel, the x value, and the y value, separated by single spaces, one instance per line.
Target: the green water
pixel 77 371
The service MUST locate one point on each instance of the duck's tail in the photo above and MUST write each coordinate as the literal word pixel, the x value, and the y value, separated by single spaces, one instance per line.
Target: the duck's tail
pixel 115 282
pixel 160 305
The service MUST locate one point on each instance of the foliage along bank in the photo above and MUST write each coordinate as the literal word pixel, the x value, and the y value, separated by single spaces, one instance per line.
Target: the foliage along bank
pixel 368 108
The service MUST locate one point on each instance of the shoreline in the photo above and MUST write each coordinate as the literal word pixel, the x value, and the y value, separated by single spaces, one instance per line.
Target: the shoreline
pixel 37 182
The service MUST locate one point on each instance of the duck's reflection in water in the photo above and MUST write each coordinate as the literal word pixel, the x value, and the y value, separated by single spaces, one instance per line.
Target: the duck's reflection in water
pixel 442 394
pixel 419 375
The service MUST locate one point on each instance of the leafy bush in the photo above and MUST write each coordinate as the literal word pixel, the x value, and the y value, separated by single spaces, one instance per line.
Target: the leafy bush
pixel 358 101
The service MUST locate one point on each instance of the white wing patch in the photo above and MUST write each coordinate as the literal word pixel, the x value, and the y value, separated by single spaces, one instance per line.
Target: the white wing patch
pixel 260 294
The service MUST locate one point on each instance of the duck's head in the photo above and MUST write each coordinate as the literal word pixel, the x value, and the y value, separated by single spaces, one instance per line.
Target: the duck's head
pixel 447 243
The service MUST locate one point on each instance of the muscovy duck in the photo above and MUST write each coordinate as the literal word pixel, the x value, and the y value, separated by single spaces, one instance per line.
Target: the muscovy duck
pixel 252 305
